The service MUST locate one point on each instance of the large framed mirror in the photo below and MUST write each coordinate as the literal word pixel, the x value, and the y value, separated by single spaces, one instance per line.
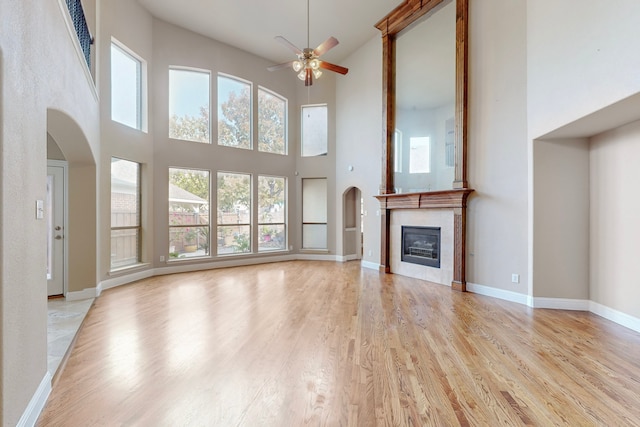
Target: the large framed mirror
pixel 425 96
pixel 424 162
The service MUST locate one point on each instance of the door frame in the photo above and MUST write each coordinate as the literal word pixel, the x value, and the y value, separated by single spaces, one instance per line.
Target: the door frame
pixel 65 220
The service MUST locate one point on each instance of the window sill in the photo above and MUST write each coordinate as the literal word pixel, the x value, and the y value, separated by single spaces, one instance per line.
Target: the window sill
pixel 129 268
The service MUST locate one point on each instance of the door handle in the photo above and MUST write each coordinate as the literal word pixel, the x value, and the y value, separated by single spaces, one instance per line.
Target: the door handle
pixel 58 228
pixel 58 237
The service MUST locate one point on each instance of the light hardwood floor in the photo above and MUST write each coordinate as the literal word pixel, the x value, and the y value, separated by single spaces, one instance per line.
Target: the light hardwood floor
pixel 331 344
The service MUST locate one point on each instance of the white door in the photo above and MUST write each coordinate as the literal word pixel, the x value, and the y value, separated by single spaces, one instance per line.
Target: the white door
pixel 55 216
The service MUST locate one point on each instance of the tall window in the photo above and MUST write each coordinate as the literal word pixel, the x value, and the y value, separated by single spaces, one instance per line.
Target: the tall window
pixel 234 213
pixel 419 154
pixel 397 151
pixel 314 130
pixel 189 231
pixel 126 87
pixel 314 213
pixel 272 122
pixel 125 213
pixel 234 112
pixel 189 105
pixel 272 213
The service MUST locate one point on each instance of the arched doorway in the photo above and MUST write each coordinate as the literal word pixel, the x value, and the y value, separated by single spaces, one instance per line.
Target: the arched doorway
pixel 352 230
pixel 67 142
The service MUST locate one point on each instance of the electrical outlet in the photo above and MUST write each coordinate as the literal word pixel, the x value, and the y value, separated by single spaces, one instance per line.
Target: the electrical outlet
pixel 515 278
pixel 161 258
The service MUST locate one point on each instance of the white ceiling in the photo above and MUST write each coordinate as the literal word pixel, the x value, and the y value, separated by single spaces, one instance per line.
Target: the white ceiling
pixel 251 25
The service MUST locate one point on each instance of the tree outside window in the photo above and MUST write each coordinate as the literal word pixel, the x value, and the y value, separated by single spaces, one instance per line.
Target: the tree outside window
pixel 272 124
pixel 272 213
pixel 234 113
pixel 189 230
pixel 234 213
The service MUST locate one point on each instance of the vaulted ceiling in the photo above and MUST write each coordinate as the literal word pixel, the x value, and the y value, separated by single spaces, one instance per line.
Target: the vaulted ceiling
pixel 251 25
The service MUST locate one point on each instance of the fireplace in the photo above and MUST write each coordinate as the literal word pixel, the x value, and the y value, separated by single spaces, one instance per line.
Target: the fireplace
pixel 421 245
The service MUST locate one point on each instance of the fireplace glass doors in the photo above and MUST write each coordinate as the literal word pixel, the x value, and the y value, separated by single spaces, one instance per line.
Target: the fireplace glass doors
pixel 421 245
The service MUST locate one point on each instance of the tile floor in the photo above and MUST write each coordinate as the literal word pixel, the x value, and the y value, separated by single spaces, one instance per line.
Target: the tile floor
pixel 64 320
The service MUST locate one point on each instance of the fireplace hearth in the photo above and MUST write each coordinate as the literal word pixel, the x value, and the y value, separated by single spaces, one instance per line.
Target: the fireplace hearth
pixel 421 245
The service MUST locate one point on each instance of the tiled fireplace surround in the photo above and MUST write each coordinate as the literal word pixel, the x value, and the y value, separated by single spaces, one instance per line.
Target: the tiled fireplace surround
pixel 444 209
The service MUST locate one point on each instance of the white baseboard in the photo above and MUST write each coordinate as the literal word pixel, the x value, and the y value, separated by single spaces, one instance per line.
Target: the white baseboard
pixel 616 316
pixel 497 293
pixel 370 265
pixel 177 267
pixel 608 313
pixel 561 303
pixel 37 403
pixel 86 293
pixel 317 257
pixel 124 279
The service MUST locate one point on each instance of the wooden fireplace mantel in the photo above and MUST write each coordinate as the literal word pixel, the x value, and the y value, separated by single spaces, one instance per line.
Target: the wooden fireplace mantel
pixel 455 199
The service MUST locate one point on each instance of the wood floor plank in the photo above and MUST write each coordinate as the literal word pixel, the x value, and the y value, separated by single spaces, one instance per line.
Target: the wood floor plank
pixel 331 344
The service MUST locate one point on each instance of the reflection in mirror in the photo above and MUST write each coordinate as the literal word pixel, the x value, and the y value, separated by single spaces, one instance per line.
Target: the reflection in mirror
pixel 424 153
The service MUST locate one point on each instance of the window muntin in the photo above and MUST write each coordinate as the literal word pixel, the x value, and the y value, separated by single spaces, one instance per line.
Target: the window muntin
pixel 189 99
pixel 189 230
pixel 126 87
pixel 234 112
pixel 234 213
pixel 314 213
pixel 272 122
pixel 314 130
pixel 125 213
pixel 272 213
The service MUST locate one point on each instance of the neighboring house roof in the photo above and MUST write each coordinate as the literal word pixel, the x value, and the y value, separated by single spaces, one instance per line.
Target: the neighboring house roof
pixel 125 182
pixel 178 195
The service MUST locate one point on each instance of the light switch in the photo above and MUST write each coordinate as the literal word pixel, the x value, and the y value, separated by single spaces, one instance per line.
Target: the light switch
pixel 39 209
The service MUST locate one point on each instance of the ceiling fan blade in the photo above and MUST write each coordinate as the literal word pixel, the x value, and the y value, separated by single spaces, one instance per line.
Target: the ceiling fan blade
pixel 280 66
pixel 324 47
pixel 333 67
pixel 288 44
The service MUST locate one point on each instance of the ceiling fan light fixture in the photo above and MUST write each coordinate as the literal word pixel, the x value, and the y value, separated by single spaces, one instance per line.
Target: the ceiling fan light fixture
pixel 297 66
pixel 317 73
pixel 302 75
pixel 314 64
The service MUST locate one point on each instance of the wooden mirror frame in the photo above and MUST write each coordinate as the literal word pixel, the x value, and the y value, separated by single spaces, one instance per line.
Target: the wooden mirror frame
pixel 390 26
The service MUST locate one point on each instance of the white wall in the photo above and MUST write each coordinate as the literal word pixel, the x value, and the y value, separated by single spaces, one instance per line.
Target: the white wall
pixel 614 226
pixel 581 73
pixel 359 139
pixel 579 58
pixel 131 25
pixel 34 46
pixel 497 214
pixel 561 219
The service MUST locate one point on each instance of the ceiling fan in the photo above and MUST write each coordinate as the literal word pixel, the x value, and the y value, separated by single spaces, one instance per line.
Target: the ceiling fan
pixel 308 64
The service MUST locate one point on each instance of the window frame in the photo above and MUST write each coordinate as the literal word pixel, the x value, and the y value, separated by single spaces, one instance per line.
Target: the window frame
pixel 302 132
pixel 239 224
pixel 314 213
pixel 141 85
pixel 186 226
pixel 285 216
pixel 285 125
pixel 191 70
pixel 137 227
pixel 251 113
